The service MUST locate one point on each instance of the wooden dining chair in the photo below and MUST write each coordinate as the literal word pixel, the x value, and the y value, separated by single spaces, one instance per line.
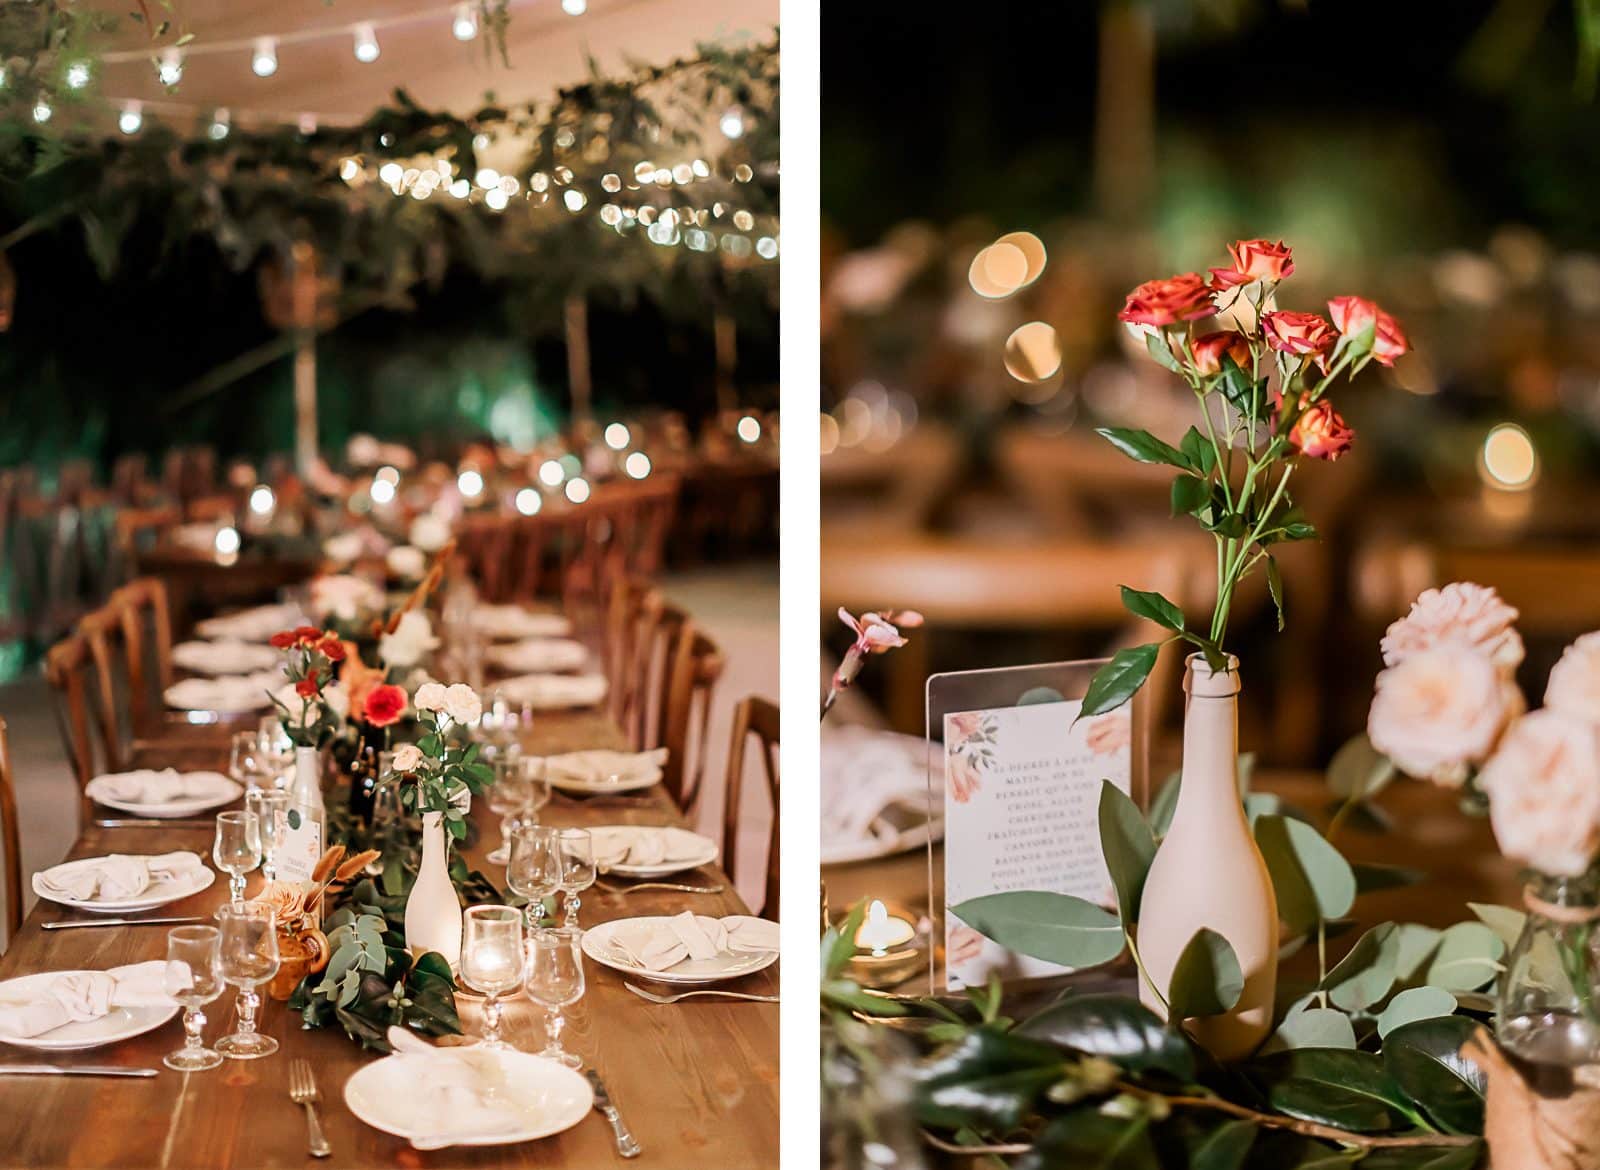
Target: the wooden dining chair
pixel 754 716
pixel 10 839
pixel 625 613
pixel 690 675
pixel 69 669
pixel 145 623
pixel 660 626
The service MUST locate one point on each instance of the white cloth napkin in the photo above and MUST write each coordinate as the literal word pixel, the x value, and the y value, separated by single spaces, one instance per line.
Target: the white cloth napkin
pixel 866 773
pixel 645 845
pixel 657 944
pixel 539 654
pixel 509 622
pixel 147 786
pixel 86 995
pixel 232 692
pixel 548 692
pixel 224 657
pixel 252 625
pixel 469 1095
pixel 595 767
pixel 117 877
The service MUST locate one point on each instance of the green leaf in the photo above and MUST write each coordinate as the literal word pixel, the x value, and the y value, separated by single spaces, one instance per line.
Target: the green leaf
pixel 1311 879
pixel 1225 1148
pixel 1143 447
pixel 1165 804
pixel 1413 1004
pixel 1364 976
pixel 1275 587
pixel 1416 945
pixel 1155 342
pixel 1206 980
pixel 846 994
pixel 1503 920
pixel 1129 847
pixel 1359 771
pixel 1197 449
pixel 1332 1086
pixel 1115 682
pixel 1149 604
pixel 1088 1139
pixel 1468 956
pixel 1189 495
pixel 1116 1027
pixel 838 944
pixel 1057 928
pixel 989 1079
pixel 1247 397
pixel 1312 1028
pixel 1424 1059
pixel 1372 877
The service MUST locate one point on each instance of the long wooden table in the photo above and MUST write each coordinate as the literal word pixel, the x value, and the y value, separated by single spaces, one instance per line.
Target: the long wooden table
pixel 696 1081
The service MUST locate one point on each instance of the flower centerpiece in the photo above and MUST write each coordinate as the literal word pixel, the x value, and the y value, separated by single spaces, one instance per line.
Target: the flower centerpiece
pixel 297 909
pixel 311 705
pixel 438 776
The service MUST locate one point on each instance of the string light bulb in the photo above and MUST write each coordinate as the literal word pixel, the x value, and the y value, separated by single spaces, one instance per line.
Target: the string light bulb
pixel 465 22
pixel 264 61
pixel 617 436
pixel 221 123
pixel 42 111
pixel 366 44
pixel 529 501
pixel 577 490
pixel 732 123
pixel 77 75
pixel 170 67
pixel 132 118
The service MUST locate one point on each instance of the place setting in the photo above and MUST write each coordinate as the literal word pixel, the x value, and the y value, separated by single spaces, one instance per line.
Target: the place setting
pixel 162 795
pixel 223 695
pixel 121 884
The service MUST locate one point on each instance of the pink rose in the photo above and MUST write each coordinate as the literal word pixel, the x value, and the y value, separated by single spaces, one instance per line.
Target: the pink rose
pixel 1544 793
pixel 1210 348
pixel 1439 713
pixel 1172 301
pixel 1254 260
pixel 1297 333
pixel 1354 314
pixel 962 728
pixel 1574 687
pixel 1461 614
pixel 1321 433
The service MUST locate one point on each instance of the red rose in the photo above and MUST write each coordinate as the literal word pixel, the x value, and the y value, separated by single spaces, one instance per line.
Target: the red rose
pixel 385 704
pixel 1168 302
pixel 306 688
pixel 1354 314
pixel 1321 433
pixel 307 635
pixel 1208 351
pixel 284 640
pixel 331 648
pixel 1297 333
pixel 1254 260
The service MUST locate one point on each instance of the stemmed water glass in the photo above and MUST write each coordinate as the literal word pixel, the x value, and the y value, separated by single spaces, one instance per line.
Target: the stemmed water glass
pixel 492 961
pixel 274 751
pixel 249 948
pixel 534 868
pixel 245 763
pixel 577 869
pixel 555 980
pixel 508 796
pixel 193 978
pixel 237 849
pixel 271 807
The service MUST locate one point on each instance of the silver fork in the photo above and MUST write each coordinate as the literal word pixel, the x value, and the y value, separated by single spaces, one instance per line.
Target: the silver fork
pixel 613 888
pixel 303 1091
pixel 654 998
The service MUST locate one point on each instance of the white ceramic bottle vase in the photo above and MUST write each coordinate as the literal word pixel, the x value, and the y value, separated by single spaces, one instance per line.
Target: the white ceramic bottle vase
pixel 305 789
pixel 433 912
pixel 1208 872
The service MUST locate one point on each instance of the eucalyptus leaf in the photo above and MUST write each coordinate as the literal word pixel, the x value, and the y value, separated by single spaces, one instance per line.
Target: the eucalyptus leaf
pixel 1424 1059
pixel 1467 957
pixel 1311 879
pixel 1117 1028
pixel 1206 980
pixel 1165 804
pixel 1413 1004
pixel 1359 771
pixel 1057 928
pixel 1417 944
pixel 1312 1028
pixel 1503 920
pixel 1371 876
pixel 1115 682
pixel 1367 972
pixel 1128 845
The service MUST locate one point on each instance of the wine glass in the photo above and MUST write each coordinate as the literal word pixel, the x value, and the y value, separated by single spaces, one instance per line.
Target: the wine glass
pixel 237 849
pixel 271 807
pixel 577 868
pixel 509 795
pixel 538 788
pixel 491 961
pixel 274 750
pixel 554 980
pixel 193 978
pixel 244 759
pixel 249 947
pixel 534 868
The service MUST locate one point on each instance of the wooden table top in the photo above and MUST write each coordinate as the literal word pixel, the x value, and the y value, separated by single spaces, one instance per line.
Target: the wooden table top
pixel 696 1081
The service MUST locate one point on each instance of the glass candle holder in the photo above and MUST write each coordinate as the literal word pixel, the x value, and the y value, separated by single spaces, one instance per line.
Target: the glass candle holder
pixel 492 961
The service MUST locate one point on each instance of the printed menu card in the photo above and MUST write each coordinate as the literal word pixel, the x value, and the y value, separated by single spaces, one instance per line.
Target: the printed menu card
pixel 1021 812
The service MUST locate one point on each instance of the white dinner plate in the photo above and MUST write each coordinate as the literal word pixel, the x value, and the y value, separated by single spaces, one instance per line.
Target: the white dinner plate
pixel 251 625
pixel 631 783
pixel 224 657
pixel 707 854
pixel 120 1023
pixel 162 890
pixel 600 945
pixel 544 1096
pixel 186 807
pixel 538 655
pixel 512 623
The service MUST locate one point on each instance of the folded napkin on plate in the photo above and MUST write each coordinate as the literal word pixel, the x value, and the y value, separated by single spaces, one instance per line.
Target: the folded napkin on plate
pixel 598 766
pixel 224 657
pixel 252 625
pixel 115 878
pixel 644 845
pixel 86 995
pixel 469 1095
pixel 506 622
pixel 554 691
pixel 657 944
pixel 539 654
pixel 869 777
pixel 147 786
pixel 234 692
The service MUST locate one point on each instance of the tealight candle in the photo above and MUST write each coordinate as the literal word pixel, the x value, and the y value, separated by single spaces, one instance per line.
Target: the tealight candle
pixel 888 950
pixel 880 931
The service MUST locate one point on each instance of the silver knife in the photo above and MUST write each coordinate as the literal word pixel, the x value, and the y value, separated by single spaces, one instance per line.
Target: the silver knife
pixel 73 1070
pixel 74 923
pixel 152 823
pixel 626 1145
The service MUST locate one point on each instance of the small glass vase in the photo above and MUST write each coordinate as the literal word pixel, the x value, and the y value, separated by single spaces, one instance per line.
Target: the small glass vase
pixel 1548 1014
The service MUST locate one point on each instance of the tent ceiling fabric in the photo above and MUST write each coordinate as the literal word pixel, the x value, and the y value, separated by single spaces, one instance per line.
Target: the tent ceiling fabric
pixel 547 48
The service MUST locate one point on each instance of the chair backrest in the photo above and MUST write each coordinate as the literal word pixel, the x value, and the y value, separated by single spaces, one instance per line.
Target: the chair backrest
pixel 146 628
pixel 661 624
pixel 10 839
pixel 620 649
pixel 754 716
pixel 692 671
pixel 69 668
